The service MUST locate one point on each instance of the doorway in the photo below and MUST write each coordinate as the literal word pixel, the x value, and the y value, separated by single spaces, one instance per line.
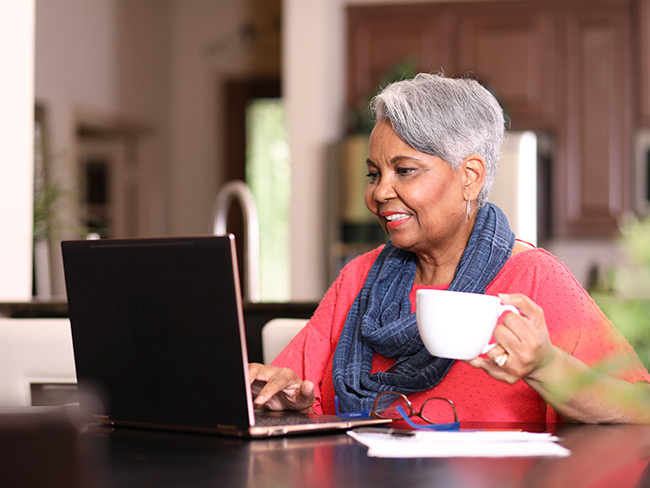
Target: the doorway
pixel 257 153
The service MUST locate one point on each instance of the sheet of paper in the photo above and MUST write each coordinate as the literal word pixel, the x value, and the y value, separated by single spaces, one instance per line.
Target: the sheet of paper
pixel 461 444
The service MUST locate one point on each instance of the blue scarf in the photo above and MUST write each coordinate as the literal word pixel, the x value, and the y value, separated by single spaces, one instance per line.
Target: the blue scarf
pixel 380 319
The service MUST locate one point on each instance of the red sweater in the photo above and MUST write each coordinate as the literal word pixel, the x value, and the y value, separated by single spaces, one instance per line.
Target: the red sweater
pixel 574 321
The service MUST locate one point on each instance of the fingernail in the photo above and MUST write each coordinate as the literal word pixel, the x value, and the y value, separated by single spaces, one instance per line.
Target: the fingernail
pixel 504 296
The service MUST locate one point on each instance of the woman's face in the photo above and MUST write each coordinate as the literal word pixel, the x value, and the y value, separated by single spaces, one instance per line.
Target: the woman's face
pixel 418 198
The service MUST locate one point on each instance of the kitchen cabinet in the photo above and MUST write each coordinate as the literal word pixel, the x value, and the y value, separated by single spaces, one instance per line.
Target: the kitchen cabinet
pixel 642 30
pixel 467 38
pixel 591 177
pixel 510 50
pixel 380 37
pixel 562 67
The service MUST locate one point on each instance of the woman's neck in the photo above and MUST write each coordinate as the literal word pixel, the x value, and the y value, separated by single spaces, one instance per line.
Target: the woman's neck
pixel 439 270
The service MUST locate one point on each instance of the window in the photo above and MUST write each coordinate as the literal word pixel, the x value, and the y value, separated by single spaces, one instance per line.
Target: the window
pixel 268 174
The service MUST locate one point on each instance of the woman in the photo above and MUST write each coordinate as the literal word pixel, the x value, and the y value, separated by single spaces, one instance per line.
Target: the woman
pixel 432 159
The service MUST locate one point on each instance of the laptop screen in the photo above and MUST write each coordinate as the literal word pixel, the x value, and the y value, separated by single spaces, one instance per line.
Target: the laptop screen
pixel 157 330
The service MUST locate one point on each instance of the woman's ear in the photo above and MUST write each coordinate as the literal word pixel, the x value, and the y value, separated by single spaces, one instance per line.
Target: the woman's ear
pixel 473 168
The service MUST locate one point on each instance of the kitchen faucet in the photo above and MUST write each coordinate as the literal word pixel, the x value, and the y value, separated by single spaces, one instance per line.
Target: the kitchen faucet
pixel 232 190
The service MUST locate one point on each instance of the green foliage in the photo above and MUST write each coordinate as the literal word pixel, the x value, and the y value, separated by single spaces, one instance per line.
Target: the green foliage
pixel 45 200
pixel 624 294
pixel 360 121
pixel 46 193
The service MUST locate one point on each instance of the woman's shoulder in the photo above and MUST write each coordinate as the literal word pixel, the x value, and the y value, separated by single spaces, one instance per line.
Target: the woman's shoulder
pixel 534 266
pixel 361 264
pixel 535 256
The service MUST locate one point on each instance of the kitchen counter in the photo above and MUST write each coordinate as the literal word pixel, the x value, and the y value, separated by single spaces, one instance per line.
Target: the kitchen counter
pixel 255 316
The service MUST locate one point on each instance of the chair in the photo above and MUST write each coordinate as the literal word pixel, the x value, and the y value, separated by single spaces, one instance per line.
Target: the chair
pixel 276 334
pixel 35 352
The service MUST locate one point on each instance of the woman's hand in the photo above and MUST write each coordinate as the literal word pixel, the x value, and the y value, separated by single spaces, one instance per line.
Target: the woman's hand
pixel 523 345
pixel 279 388
pixel 524 351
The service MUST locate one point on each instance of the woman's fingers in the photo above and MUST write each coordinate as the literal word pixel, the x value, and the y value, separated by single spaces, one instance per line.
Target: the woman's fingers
pixel 532 331
pixel 269 381
pixel 490 367
pixel 523 342
pixel 279 388
pixel 306 397
pixel 527 308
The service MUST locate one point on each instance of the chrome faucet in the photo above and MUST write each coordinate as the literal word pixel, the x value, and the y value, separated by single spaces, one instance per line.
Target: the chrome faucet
pixel 239 190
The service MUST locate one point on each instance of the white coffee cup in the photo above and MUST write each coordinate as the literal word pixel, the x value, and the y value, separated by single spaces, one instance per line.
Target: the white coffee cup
pixel 458 325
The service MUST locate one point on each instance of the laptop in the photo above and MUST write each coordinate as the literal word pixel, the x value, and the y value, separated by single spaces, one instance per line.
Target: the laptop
pixel 159 339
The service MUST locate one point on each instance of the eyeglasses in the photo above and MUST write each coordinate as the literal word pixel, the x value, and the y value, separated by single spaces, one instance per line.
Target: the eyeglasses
pixel 438 413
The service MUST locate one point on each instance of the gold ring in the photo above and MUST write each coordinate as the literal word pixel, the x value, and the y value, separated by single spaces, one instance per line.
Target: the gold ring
pixel 501 359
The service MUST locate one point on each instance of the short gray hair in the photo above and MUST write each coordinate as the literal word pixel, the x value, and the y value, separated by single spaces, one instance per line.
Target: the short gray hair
pixel 446 117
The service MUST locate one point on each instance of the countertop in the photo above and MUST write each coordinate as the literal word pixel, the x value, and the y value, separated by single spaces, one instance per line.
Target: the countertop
pixel 255 316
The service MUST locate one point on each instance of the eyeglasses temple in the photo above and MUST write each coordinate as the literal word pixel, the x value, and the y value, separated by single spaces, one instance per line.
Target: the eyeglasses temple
pixel 407 419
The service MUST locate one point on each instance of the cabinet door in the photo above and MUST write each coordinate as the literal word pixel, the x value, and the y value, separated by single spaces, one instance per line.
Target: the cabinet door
pixel 591 190
pixel 643 59
pixel 510 48
pixel 380 37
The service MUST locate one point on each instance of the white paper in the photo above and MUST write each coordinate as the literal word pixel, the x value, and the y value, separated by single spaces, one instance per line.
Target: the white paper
pixel 461 444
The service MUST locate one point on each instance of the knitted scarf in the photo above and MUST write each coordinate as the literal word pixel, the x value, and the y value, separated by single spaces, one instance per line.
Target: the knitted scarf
pixel 380 319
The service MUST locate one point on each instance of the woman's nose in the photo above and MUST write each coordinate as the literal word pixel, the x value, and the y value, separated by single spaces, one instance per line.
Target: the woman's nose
pixel 384 190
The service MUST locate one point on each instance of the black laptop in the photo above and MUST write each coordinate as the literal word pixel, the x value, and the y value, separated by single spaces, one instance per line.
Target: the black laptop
pixel 159 340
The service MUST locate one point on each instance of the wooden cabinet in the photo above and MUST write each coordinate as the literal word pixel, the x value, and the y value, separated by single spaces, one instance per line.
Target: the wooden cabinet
pixel 504 44
pixel 591 177
pixel 510 48
pixel 378 39
pixel 559 66
pixel 642 16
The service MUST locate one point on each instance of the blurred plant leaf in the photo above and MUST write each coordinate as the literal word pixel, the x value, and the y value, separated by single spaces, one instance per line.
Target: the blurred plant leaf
pixel 624 295
pixel 360 120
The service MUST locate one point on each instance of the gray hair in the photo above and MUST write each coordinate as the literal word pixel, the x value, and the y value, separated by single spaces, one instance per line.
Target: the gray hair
pixel 446 117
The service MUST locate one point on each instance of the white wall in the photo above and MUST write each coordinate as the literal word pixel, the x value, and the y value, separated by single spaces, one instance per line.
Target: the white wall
pixel 155 64
pixel 313 77
pixel 104 60
pixel 16 148
pixel 207 50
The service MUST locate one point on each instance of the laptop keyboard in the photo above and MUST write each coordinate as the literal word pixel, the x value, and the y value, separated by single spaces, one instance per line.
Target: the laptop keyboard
pixel 265 418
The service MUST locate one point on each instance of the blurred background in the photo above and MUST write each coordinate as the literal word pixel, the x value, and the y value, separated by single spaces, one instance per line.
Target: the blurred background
pixel 140 111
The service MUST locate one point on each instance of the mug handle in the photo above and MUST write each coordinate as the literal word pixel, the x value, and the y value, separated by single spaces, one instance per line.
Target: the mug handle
pixel 502 308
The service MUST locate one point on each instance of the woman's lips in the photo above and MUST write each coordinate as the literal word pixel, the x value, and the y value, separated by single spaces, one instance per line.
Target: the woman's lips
pixel 395 219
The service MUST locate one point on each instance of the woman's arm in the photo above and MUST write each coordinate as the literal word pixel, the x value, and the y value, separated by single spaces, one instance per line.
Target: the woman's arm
pixel 576 391
pixel 283 385
pixel 581 394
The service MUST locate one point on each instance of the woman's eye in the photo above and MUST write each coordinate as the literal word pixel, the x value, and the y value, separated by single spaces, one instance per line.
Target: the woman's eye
pixel 373 175
pixel 404 171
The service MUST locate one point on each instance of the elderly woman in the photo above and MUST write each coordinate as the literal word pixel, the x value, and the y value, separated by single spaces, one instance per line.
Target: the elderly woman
pixel 432 159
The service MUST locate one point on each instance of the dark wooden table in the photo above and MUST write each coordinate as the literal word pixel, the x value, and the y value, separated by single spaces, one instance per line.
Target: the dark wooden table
pixel 51 451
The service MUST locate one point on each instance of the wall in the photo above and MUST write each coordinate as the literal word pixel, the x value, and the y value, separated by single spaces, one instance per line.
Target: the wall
pixel 154 64
pixel 313 77
pixel 103 61
pixel 208 48
pixel 16 148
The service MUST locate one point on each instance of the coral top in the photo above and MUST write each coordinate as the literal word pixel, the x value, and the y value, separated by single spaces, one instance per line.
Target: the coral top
pixel 574 321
